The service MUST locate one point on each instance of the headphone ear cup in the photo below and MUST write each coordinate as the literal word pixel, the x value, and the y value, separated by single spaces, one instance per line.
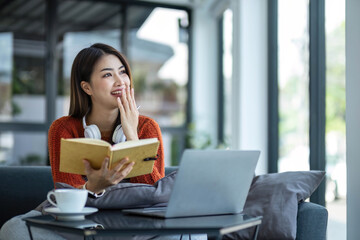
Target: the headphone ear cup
pixel 118 135
pixel 92 131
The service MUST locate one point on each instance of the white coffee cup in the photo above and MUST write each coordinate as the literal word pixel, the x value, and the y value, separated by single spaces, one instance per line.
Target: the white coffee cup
pixel 68 200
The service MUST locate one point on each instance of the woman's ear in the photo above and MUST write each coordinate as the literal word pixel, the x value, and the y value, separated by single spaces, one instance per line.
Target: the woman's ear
pixel 86 87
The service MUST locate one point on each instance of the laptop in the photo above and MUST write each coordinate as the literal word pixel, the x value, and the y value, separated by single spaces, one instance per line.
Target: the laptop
pixel 208 182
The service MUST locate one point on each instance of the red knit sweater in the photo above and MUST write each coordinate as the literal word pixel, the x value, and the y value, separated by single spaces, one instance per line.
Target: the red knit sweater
pixel 70 127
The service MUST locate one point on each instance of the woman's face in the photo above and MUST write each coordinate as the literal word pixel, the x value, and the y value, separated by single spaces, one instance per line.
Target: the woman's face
pixel 107 81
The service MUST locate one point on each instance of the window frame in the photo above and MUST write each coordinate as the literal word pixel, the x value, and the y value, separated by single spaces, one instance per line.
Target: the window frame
pixel 51 70
pixel 317 81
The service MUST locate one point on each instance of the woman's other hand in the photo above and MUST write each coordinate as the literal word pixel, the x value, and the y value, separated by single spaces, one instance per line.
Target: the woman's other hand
pixel 100 179
pixel 129 114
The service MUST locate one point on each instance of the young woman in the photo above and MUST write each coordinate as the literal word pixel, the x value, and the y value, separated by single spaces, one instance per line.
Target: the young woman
pixel 102 105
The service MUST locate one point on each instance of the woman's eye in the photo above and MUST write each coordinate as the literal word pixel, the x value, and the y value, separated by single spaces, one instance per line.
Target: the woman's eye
pixel 107 75
pixel 122 72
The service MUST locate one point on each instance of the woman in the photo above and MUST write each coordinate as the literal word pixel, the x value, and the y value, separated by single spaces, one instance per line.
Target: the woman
pixel 101 100
pixel 102 105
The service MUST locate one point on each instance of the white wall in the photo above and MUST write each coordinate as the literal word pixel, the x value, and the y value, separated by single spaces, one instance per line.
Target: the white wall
pixel 250 77
pixel 204 75
pixel 353 117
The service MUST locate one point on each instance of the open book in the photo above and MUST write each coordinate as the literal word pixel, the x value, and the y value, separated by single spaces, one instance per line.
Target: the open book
pixel 73 150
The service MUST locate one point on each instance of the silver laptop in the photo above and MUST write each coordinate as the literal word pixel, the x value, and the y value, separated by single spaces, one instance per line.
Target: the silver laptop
pixel 209 182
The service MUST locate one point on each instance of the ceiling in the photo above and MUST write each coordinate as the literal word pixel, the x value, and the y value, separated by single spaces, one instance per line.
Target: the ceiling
pixel 26 18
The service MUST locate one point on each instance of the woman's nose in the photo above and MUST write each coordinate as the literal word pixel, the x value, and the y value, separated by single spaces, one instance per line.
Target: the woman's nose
pixel 119 80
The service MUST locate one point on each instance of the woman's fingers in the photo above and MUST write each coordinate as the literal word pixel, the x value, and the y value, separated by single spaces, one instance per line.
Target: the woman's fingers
pixel 129 114
pixel 124 99
pixel 128 169
pixel 88 168
pixel 133 100
pixel 105 166
pixel 120 175
pixel 121 169
pixel 105 163
pixel 120 106
pixel 102 178
pixel 127 100
pixel 120 164
pixel 130 99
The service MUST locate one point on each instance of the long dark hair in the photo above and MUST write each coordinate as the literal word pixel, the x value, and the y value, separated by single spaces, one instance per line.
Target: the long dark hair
pixel 82 68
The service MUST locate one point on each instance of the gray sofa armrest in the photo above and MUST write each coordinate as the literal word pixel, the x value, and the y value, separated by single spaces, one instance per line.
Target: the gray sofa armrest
pixel 311 221
pixel 23 189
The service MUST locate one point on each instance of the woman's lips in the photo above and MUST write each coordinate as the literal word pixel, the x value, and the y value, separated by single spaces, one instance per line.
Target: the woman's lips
pixel 116 93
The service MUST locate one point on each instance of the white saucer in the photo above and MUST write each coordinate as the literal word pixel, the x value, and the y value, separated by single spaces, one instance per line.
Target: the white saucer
pixel 70 216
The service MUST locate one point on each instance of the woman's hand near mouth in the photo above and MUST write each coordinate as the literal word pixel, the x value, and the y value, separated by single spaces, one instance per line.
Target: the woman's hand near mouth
pixel 129 113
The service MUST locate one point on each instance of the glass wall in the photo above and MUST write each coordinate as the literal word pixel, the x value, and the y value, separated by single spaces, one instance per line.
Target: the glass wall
pixel 227 64
pixel 293 80
pixel 84 31
pixel 158 53
pixel 155 41
pixel 293 77
pixel 22 81
pixel 33 148
pixel 335 118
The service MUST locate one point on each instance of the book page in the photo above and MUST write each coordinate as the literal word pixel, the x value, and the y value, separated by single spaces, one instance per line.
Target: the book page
pixel 129 144
pixel 89 141
pixel 137 154
pixel 72 154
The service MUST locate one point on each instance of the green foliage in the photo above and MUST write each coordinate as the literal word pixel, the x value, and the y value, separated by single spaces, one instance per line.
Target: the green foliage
pixel 31 81
pixel 294 122
pixel 174 151
pixel 32 159
pixel 27 81
pixel 139 82
pixel 168 88
pixel 335 88
pixel 15 108
pixel 197 139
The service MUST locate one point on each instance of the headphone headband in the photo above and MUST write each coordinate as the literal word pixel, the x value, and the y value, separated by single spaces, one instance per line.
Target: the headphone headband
pixel 92 131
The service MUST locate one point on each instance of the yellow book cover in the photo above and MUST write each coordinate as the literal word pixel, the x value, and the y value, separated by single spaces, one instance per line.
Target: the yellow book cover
pixel 73 150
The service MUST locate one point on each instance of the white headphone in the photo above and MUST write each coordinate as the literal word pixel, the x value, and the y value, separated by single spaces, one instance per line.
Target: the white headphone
pixel 92 131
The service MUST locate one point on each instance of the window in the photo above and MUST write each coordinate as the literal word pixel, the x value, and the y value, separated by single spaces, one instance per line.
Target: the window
pixel 225 80
pixel 158 54
pixel 160 66
pixel 22 83
pixel 299 23
pixel 84 31
pixel 335 118
pixel 293 82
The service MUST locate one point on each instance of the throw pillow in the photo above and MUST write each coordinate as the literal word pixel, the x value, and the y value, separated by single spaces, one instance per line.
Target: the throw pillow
pixel 128 195
pixel 275 197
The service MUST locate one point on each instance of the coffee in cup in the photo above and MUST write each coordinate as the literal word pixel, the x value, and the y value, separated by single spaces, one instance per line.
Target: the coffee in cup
pixel 68 200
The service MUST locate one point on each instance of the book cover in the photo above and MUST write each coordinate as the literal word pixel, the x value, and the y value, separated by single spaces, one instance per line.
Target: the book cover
pixel 74 150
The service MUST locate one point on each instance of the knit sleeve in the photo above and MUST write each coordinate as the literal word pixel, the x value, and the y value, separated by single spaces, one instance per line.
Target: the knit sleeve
pixel 150 129
pixel 56 132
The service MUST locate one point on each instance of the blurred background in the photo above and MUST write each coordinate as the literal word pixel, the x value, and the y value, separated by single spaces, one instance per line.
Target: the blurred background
pixel 214 74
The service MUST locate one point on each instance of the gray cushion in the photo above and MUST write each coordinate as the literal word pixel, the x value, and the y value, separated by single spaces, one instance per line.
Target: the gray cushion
pixel 276 197
pixel 129 195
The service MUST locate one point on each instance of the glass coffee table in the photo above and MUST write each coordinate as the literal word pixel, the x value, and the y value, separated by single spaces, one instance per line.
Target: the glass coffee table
pixel 116 223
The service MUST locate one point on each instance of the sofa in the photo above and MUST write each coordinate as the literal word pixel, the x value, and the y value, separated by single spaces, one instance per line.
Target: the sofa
pixel 24 188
